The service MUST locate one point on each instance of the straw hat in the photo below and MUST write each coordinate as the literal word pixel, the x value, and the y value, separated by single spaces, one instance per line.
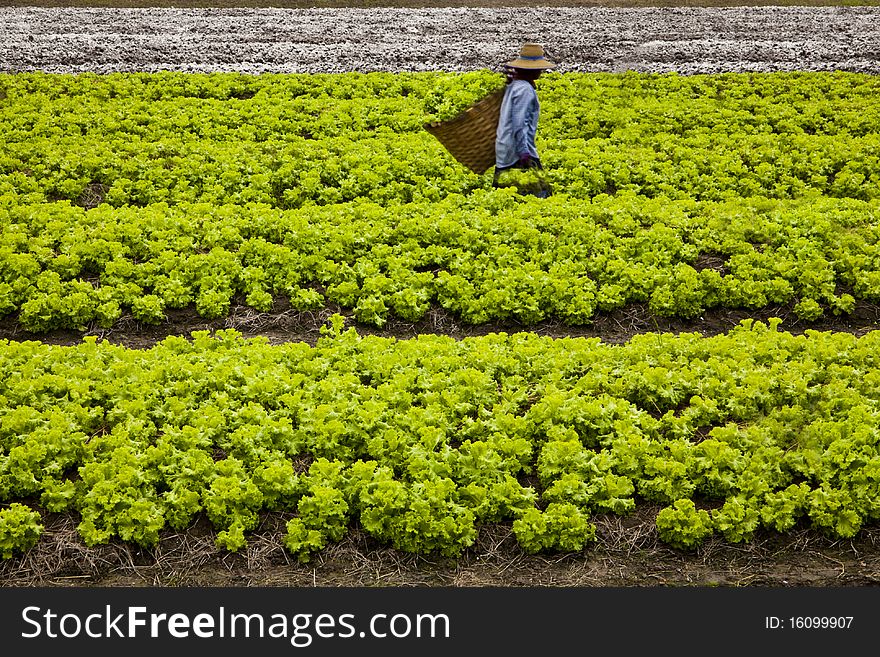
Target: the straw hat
pixel 531 56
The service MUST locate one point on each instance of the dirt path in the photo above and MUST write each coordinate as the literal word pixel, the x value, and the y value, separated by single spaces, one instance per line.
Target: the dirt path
pixel 684 39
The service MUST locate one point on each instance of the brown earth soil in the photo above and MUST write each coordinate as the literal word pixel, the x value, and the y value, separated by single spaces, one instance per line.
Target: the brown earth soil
pixel 285 324
pixel 627 553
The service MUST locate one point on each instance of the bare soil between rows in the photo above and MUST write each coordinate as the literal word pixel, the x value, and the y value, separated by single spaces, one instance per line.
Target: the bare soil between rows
pixel 286 324
pixel 627 553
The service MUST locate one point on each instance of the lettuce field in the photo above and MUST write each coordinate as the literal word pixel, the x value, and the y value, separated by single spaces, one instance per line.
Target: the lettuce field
pixel 141 193
pixel 131 200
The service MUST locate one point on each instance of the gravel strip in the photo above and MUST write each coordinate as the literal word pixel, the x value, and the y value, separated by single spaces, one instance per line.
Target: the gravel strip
pixel 658 40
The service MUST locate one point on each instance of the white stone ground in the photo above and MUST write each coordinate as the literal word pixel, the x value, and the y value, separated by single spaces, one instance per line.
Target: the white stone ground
pixel 687 40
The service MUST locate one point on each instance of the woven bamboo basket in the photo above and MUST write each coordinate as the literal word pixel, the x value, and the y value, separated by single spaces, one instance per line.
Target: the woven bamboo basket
pixel 470 136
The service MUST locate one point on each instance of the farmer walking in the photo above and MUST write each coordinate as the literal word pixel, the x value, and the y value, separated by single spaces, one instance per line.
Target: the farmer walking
pixel 515 149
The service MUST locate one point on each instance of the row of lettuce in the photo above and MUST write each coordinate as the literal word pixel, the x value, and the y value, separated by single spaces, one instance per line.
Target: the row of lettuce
pixel 420 443
pixel 294 140
pixel 488 257
pixel 130 195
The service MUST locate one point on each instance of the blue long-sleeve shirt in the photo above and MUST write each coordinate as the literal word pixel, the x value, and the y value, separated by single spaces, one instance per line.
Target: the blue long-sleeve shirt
pixel 517 124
